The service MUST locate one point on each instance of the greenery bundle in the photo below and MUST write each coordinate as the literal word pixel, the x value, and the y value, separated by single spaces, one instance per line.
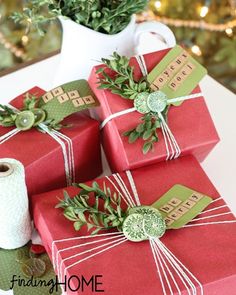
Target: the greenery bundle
pixel 105 213
pixel 123 84
pixel 105 16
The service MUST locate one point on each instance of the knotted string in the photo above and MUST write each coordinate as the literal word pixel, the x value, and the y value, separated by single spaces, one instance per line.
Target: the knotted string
pixel 172 148
pixel 62 139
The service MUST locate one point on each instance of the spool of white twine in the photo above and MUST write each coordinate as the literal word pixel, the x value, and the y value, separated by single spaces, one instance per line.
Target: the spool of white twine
pixel 15 222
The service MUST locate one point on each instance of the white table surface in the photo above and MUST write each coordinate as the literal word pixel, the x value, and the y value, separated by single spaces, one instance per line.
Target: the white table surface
pixel 220 165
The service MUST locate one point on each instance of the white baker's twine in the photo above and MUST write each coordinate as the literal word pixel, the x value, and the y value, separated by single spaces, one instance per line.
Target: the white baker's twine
pixel 8 135
pixel 115 115
pixel 172 148
pixel 167 264
pixel 68 155
pixel 142 64
pixel 170 141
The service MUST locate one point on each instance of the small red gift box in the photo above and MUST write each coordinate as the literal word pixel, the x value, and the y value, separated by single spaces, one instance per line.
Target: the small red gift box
pixel 208 251
pixel 190 123
pixel 42 156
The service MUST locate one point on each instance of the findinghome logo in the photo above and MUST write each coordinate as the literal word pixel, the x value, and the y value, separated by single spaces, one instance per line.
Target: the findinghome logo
pixel 73 283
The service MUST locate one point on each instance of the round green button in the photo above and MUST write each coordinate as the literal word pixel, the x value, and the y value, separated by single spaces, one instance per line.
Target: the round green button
pixel 154 225
pixel 157 101
pixel 34 267
pixel 25 120
pixel 133 228
pixel 39 116
pixel 140 103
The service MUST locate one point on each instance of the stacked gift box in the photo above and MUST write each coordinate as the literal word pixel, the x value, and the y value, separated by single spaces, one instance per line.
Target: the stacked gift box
pixel 42 155
pixel 129 268
pixel 203 266
pixel 191 123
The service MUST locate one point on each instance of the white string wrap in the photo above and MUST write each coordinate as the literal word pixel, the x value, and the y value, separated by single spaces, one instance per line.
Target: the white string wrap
pixel 169 140
pixel 115 115
pixel 68 153
pixel 168 266
pixel 142 65
pixel 172 148
pixel 183 98
pixel 8 135
pixel 64 141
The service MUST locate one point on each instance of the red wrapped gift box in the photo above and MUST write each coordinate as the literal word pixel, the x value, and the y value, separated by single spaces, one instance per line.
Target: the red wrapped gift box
pixel 42 156
pixel 208 251
pixel 190 123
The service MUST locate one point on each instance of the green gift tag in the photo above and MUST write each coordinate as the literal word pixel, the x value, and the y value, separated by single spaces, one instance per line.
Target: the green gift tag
pixel 67 99
pixel 180 205
pixel 177 74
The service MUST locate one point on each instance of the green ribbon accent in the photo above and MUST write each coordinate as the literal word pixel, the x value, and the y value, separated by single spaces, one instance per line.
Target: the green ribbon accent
pixel 51 108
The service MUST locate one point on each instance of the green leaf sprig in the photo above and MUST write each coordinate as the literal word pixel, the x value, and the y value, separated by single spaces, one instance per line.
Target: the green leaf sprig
pixel 123 82
pixel 9 117
pixel 105 212
pixel 117 77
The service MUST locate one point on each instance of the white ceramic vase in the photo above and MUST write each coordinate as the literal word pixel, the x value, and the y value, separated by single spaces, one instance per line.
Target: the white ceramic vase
pixel 82 48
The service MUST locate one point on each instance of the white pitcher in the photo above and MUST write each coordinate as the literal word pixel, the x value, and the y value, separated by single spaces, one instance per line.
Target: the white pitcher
pixel 83 48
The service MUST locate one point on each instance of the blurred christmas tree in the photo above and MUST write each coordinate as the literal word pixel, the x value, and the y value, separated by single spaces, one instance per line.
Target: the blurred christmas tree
pixel 206 28
pixel 17 47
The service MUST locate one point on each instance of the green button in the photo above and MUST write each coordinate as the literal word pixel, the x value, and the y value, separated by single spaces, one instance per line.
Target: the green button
pixel 22 255
pixel 25 120
pixel 39 116
pixel 34 267
pixel 133 228
pixel 27 270
pixel 157 101
pixel 140 103
pixel 154 225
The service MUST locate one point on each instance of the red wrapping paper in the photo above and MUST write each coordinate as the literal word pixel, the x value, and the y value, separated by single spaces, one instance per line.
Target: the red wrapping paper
pixel 209 252
pixel 190 123
pixel 42 156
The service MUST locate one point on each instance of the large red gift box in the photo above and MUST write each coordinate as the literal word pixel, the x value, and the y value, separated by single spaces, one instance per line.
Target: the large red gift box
pixel 42 156
pixel 208 251
pixel 190 123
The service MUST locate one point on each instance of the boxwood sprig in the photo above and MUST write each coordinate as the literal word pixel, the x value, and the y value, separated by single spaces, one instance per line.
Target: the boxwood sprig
pixel 122 82
pixel 30 102
pixel 97 208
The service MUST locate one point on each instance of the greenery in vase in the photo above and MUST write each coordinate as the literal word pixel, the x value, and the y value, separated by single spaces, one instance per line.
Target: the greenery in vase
pixel 105 212
pixel 104 16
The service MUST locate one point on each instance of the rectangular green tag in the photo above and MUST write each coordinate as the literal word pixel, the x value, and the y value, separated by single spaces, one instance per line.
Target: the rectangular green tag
pixel 180 205
pixel 67 99
pixel 177 74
